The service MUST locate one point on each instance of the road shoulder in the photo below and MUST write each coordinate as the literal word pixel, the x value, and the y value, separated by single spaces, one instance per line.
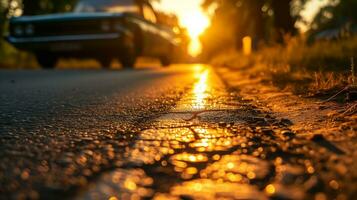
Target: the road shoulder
pixel 329 127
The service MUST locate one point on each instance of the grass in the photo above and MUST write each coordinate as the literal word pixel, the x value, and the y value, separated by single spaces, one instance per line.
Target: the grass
pixel 10 58
pixel 320 69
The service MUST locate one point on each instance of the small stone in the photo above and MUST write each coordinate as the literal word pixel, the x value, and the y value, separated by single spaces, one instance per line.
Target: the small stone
pixel 287 133
pixel 317 138
pixel 222 124
pixel 286 122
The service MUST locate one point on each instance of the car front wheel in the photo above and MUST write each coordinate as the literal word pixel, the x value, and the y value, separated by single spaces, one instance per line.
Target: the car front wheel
pixel 165 61
pixel 128 58
pixel 47 61
pixel 105 62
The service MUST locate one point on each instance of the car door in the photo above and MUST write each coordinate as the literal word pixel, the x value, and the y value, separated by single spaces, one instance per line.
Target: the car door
pixel 156 38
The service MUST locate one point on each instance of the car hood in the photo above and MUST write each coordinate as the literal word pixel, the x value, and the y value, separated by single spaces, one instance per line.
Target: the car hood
pixel 65 17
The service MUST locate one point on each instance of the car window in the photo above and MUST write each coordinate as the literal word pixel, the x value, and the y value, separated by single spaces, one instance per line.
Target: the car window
pixel 107 6
pixel 149 13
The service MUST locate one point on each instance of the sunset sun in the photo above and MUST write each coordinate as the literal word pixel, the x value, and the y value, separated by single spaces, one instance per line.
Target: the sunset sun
pixel 191 17
pixel 195 23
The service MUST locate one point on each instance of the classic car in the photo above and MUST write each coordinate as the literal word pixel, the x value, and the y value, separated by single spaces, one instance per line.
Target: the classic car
pixel 100 29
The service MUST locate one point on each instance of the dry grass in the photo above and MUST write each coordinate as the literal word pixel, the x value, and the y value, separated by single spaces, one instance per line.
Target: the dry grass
pixel 319 70
pixel 10 58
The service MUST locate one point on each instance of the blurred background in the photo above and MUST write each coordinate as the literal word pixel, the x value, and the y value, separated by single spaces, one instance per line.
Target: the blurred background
pixel 315 34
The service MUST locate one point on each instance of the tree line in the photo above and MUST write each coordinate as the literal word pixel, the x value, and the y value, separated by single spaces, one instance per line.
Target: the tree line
pixel 269 21
pixel 265 21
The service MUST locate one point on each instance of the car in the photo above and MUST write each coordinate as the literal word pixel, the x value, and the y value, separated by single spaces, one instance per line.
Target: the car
pixel 99 29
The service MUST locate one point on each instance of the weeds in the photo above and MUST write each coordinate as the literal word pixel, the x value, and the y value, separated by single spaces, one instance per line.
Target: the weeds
pixel 327 80
pixel 10 58
pixel 318 70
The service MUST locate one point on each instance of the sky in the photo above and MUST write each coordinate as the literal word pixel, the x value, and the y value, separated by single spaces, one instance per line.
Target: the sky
pixel 311 10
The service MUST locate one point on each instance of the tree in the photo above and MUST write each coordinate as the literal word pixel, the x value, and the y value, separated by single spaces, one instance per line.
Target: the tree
pixel 283 20
pixel 232 21
pixel 262 20
pixel 336 15
pixel 35 7
pixel 8 8
pixel 31 7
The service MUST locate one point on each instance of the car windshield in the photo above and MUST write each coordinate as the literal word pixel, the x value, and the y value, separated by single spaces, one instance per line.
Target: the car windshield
pixel 106 6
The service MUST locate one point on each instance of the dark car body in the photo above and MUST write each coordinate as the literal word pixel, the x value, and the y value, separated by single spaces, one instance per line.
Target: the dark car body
pixel 128 30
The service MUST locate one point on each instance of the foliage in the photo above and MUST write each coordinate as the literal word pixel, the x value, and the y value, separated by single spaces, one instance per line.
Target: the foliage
pixel 34 7
pixel 320 68
pixel 9 8
pixel 269 21
pixel 336 15
pixel 262 20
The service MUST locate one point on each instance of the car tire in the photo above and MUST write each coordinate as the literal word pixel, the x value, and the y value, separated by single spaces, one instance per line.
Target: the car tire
pixel 47 61
pixel 128 58
pixel 165 61
pixel 105 62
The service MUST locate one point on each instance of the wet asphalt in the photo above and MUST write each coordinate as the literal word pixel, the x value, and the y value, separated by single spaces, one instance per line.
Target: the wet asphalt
pixel 175 133
pixel 47 115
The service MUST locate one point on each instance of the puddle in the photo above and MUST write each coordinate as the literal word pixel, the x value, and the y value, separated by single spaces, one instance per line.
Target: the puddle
pixel 237 168
pixel 169 134
pixel 196 152
pixel 119 184
pixel 210 189
pixel 205 95
pixel 189 157
pixel 208 133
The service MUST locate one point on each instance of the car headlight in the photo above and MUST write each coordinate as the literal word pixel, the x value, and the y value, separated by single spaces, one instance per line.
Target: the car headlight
pixel 18 30
pixel 105 26
pixel 30 29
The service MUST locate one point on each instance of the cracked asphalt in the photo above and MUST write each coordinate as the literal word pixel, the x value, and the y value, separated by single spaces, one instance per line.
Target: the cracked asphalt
pixel 176 133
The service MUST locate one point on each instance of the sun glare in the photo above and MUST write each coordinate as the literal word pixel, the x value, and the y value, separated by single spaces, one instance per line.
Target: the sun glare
pixel 195 22
pixel 191 17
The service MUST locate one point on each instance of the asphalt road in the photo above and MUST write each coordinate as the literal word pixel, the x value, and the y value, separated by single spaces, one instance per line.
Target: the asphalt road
pixel 43 95
pixel 173 133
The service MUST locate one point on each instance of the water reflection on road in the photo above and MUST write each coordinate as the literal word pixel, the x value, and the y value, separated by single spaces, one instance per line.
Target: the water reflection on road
pixel 200 90
pixel 200 150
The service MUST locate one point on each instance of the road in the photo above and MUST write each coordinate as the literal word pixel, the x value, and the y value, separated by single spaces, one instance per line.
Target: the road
pixel 173 133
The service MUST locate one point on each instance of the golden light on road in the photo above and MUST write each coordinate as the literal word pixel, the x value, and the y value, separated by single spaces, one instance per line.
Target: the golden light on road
pixel 200 90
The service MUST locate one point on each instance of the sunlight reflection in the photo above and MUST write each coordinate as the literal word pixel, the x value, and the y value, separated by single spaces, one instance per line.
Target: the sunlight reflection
pixel 200 91
pixel 198 69
pixel 215 189
pixel 195 47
